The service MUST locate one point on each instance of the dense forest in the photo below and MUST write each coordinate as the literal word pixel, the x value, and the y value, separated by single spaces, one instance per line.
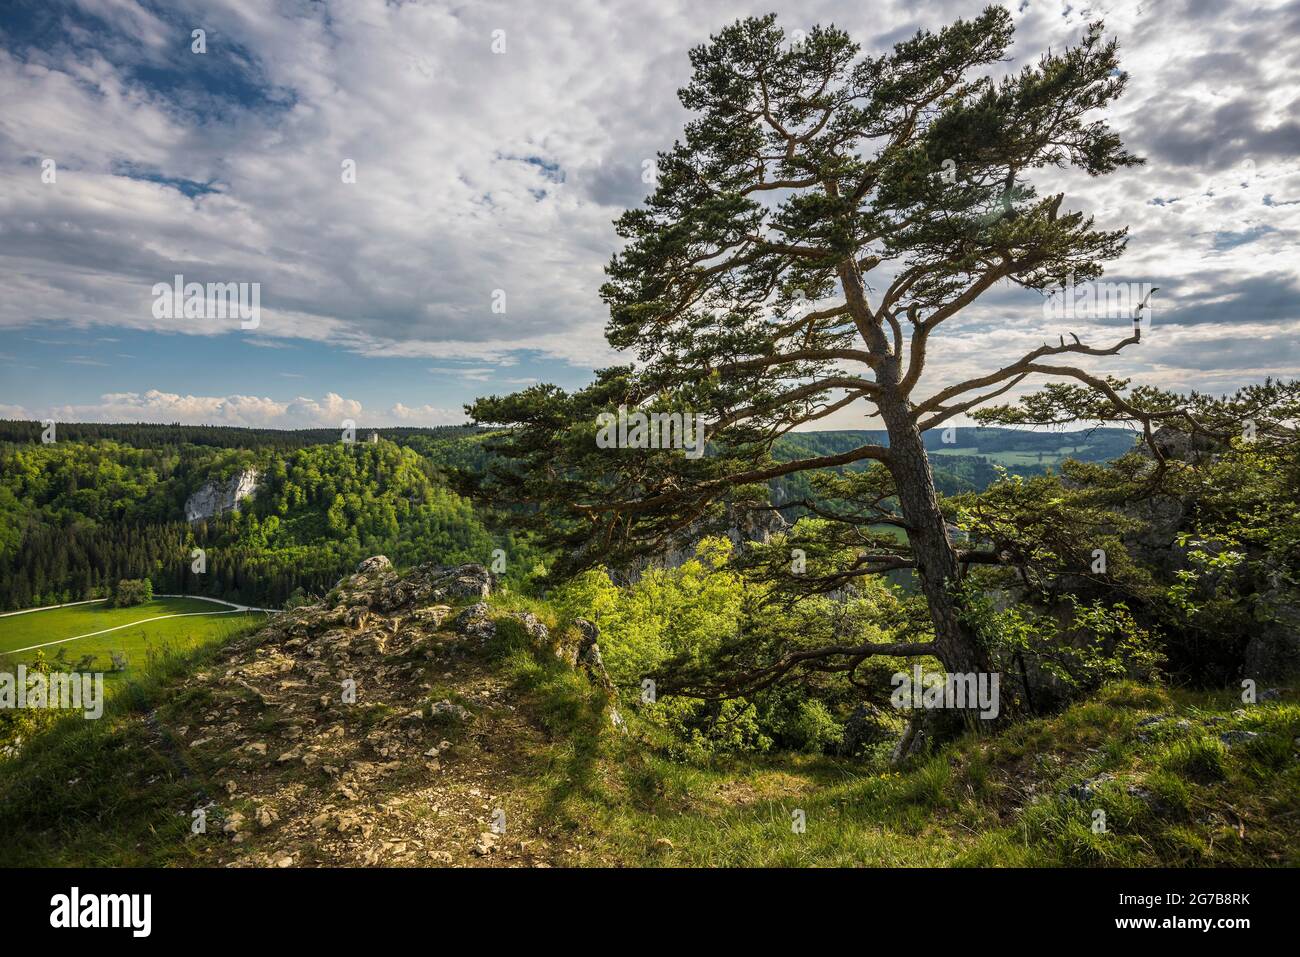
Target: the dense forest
pixel 106 502
pixel 77 516
pixel 148 435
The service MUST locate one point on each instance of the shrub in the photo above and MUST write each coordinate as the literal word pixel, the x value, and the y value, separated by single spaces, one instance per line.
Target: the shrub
pixel 298 598
pixel 18 725
pixel 680 613
pixel 799 723
pixel 705 729
pixel 1048 663
pixel 132 591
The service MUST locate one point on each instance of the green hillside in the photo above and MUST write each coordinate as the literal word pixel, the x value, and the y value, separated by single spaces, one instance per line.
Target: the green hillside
pixel 78 516
pixel 107 502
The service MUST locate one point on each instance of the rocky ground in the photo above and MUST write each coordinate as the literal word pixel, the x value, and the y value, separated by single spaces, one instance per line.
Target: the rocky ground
pixel 370 729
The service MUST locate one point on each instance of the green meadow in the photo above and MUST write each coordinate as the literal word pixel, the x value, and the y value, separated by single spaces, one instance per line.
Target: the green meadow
pixel 1011 459
pixel 99 630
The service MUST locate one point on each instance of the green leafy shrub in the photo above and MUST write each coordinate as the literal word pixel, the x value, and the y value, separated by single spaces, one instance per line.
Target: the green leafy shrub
pixel 705 729
pixel 132 591
pixel 684 612
pixel 18 725
pixel 299 598
pixel 799 723
pixel 1048 662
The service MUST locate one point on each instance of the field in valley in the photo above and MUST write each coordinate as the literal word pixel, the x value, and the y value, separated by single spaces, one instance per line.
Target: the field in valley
pixel 1014 458
pixel 99 630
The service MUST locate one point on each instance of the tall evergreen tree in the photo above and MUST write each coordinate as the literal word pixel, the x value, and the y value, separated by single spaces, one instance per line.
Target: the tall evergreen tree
pixel 801 253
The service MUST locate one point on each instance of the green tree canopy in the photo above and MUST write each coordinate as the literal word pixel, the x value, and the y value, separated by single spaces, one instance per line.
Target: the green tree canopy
pixel 824 215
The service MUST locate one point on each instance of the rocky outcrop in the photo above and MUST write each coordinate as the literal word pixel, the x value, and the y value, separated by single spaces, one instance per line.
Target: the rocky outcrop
pixel 376 563
pixel 588 654
pixel 1162 518
pixel 1176 444
pixel 377 588
pixel 377 726
pixel 214 499
pixel 1272 651
pixel 475 622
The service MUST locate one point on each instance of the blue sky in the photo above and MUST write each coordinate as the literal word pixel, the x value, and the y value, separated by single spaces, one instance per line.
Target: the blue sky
pixel 41 364
pixel 493 143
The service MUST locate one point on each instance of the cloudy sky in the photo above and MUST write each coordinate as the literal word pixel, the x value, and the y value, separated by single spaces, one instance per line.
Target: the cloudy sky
pixel 492 145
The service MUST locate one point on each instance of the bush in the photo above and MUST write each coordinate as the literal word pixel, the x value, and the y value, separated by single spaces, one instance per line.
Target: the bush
pixel 705 729
pixel 18 725
pixel 799 723
pixel 1047 663
pixel 703 616
pixel 132 591
pixel 299 598
pixel 683 613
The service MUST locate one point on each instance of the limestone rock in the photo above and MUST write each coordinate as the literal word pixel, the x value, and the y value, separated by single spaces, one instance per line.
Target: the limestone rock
pixel 376 563
pixel 741 525
pixel 539 636
pixel 1237 736
pixel 234 821
pixel 468 581
pixel 474 622
pixel 1085 791
pixel 1273 653
pixel 377 588
pixel 214 499
pixel 448 710
pixel 589 659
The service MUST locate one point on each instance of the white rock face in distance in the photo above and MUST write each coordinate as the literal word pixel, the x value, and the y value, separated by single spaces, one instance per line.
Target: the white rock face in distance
pixel 217 498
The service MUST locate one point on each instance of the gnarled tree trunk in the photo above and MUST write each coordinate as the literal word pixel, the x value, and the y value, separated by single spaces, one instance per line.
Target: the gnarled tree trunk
pixel 956 644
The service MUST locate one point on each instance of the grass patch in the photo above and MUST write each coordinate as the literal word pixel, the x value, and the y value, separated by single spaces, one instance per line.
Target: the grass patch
pixel 113 792
pixel 1004 801
pixel 127 633
pixel 1200 759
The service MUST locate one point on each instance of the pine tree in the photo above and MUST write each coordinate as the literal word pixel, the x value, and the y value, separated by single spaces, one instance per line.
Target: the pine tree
pixel 800 254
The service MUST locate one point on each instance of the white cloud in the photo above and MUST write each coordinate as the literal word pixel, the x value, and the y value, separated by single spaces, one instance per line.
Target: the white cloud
pixel 237 410
pixel 478 172
pixel 424 415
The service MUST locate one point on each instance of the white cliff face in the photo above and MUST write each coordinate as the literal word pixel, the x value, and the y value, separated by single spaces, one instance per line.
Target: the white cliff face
pixel 217 498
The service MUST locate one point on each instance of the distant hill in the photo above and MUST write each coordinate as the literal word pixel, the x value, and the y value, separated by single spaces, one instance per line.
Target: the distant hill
pixel 148 435
pixel 79 514
pixel 967 463
pixel 1009 447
